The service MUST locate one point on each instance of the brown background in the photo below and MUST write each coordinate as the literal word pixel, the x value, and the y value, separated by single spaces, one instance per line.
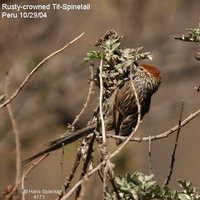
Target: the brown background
pixel 58 91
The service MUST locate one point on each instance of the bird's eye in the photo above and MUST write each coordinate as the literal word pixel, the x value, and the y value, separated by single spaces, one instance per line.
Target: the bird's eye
pixel 141 69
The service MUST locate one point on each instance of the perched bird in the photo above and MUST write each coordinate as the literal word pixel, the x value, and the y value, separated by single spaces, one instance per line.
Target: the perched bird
pixel 122 112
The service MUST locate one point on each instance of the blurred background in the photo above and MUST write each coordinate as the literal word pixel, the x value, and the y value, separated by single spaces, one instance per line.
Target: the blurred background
pixel 57 92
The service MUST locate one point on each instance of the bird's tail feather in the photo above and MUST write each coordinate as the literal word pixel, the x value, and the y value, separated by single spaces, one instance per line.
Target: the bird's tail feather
pixel 60 142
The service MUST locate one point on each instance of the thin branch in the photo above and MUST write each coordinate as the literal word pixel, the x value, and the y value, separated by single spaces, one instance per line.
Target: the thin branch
pixel 87 162
pixel 76 164
pixel 161 135
pixel 34 164
pixel 105 156
pixel 101 103
pixel 90 92
pixel 100 175
pixel 175 147
pixel 73 189
pixel 138 119
pixel 17 91
pixel 23 187
pixel 103 131
pixel 84 178
pixel 71 175
pixel 82 193
pixel 61 164
pixel 187 38
pixel 16 134
pixel 149 153
pixel 105 171
pixel 112 181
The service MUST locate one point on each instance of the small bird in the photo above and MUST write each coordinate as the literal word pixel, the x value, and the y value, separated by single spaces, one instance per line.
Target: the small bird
pixel 122 112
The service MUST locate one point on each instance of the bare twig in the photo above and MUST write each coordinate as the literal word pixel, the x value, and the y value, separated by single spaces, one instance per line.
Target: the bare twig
pixel 76 164
pixel 82 193
pixel 112 181
pixel 149 153
pixel 73 189
pixel 103 131
pixel 23 187
pixel 138 120
pixel 17 91
pixel 16 134
pixel 100 175
pixel 161 135
pixel 34 164
pixel 187 38
pixel 71 175
pixel 61 164
pixel 87 162
pixel 84 178
pixel 105 171
pixel 101 103
pixel 90 92
pixel 108 167
pixel 175 147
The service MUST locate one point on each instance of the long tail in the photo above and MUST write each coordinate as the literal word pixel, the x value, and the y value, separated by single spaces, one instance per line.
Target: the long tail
pixel 60 142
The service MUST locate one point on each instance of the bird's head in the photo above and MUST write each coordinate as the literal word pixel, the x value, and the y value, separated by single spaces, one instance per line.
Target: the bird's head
pixel 152 71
